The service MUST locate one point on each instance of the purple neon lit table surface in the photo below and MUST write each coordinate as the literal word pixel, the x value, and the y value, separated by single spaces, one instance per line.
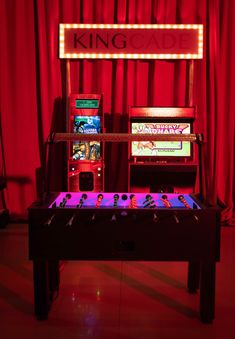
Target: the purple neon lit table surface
pixel 124 200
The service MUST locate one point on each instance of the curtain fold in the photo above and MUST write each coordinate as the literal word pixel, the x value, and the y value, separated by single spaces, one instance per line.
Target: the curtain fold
pixel 33 89
pixel 225 138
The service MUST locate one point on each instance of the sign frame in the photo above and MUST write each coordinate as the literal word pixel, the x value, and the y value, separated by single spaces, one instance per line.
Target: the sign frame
pixel 174 29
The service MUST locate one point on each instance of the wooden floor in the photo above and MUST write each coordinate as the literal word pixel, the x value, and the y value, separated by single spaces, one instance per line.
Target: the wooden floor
pixel 110 300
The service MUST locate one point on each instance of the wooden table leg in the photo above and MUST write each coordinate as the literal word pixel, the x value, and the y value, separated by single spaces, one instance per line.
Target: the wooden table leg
pixel 193 276
pixel 54 278
pixel 41 289
pixel 207 292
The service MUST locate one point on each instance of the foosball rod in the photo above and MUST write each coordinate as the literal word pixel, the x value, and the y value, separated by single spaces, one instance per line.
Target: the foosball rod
pixel 121 137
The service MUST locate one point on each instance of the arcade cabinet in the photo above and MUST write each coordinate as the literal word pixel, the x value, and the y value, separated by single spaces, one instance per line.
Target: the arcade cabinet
pixel 85 158
pixel 162 166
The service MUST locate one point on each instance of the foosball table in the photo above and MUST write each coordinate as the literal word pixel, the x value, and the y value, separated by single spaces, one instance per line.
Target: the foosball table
pixel 128 227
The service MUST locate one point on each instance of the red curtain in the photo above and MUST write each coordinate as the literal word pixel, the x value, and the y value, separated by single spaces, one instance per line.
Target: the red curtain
pixel 33 89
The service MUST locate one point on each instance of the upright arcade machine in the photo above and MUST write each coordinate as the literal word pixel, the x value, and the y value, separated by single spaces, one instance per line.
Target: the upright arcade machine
pixel 85 158
pixel 162 166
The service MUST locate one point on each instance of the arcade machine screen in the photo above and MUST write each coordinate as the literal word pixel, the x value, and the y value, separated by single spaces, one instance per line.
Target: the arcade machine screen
pixel 160 148
pixel 89 150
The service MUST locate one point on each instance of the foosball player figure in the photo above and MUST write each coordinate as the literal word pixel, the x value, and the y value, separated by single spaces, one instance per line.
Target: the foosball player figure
pixel 99 199
pixel 149 202
pixel 81 201
pixel 115 202
pixel 182 199
pixel 165 201
pixel 64 201
pixel 133 203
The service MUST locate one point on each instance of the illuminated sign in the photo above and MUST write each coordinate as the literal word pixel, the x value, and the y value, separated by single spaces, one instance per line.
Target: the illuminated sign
pixel 86 103
pixel 126 41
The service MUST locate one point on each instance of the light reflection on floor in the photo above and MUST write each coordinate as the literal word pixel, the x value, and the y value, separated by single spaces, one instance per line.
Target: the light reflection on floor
pixel 112 299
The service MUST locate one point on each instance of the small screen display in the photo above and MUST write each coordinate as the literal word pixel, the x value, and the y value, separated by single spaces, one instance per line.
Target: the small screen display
pixel 161 148
pixel 87 103
pixel 86 150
